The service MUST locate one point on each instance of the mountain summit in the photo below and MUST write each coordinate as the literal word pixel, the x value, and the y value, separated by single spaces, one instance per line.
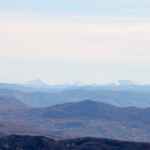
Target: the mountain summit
pixel 37 83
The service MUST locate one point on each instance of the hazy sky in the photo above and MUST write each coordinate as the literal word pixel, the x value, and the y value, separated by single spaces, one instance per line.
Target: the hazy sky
pixel 64 41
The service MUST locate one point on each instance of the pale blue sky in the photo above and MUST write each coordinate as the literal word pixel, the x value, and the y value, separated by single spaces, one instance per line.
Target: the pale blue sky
pixel 60 41
pixel 80 7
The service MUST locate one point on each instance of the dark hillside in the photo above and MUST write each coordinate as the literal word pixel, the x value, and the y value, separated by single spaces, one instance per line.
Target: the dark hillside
pixel 42 143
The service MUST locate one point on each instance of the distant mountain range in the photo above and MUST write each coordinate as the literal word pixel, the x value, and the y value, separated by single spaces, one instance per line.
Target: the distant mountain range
pixel 117 112
pixel 15 142
pixel 79 119
pixel 43 95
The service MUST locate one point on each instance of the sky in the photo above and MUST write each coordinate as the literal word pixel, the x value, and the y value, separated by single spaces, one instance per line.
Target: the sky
pixel 67 41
